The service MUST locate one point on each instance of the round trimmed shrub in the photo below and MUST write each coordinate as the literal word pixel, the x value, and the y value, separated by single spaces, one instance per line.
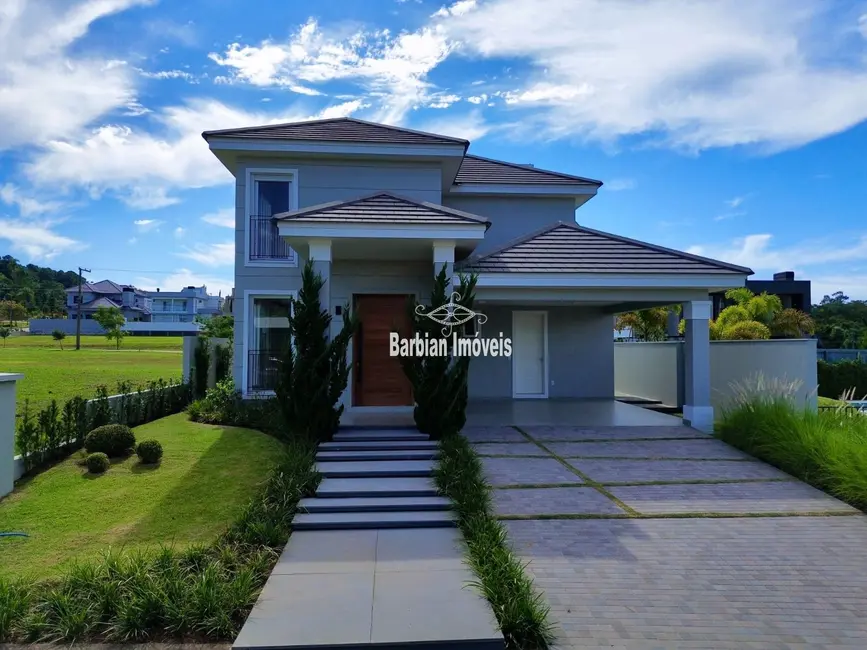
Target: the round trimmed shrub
pixel 111 439
pixel 97 463
pixel 149 451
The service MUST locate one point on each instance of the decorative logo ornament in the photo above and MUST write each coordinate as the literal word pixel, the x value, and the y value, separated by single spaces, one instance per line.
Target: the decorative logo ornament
pixel 451 314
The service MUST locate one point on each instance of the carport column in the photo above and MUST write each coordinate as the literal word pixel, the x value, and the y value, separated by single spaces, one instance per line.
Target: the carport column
pixel 7 432
pixel 444 253
pixel 320 253
pixel 697 410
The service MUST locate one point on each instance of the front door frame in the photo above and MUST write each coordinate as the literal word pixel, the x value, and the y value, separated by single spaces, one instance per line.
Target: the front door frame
pixel 547 362
pixel 351 389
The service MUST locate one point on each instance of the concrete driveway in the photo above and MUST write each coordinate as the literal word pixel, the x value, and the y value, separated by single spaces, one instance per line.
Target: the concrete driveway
pixel 662 537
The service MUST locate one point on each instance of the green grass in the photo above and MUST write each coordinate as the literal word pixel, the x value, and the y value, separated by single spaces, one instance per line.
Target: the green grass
pixel 826 449
pixel 50 373
pixel 206 476
pixel 520 610
pixel 827 401
pixel 173 343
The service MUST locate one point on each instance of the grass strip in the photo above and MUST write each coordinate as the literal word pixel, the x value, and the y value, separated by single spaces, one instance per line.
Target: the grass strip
pixel 521 611
pixel 596 485
pixel 198 594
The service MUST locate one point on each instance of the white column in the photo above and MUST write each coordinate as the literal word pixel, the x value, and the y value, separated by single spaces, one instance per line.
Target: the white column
pixel 7 432
pixel 697 411
pixel 444 253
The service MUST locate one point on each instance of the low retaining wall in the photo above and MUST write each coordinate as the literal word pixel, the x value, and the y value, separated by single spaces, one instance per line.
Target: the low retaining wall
pixel 91 327
pixel 655 370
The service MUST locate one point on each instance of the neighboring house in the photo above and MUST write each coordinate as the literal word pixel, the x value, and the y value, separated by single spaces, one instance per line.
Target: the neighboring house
pixel 793 293
pixel 381 209
pixel 184 306
pixel 134 303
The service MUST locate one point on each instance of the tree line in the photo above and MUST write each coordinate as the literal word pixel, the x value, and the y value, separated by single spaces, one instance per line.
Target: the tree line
pixel 30 290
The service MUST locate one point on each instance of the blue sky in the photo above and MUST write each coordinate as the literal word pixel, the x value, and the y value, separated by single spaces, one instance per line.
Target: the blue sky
pixel 732 129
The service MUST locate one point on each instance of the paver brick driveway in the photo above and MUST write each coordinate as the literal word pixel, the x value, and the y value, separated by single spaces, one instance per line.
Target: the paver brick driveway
pixel 662 537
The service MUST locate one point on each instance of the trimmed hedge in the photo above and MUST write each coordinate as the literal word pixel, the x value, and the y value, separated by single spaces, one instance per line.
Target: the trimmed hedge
pixel 837 377
pixel 149 452
pixel 111 439
pixel 97 463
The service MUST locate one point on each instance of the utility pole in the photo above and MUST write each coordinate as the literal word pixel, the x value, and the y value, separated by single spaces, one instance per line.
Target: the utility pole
pixel 78 309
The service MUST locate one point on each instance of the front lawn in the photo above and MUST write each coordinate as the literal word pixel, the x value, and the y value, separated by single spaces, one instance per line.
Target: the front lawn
pixel 93 342
pixel 207 474
pixel 50 373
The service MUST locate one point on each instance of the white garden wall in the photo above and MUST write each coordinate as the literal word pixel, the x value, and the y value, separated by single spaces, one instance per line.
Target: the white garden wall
pixel 655 370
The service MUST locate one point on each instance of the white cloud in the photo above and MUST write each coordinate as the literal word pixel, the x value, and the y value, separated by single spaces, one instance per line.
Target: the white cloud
pixel 147 225
pixel 392 68
pixel 457 9
pixel 48 88
pixel 478 99
pixel 685 74
pixel 36 240
pixel 862 25
pixel 619 184
pixel 169 74
pixel 132 240
pixel 180 232
pixel 735 202
pixel 186 278
pixel 27 205
pixel 729 215
pixel 852 284
pixel 224 217
pixel 758 252
pixel 211 254
pixel 469 126
pixel 143 169
pixel 444 101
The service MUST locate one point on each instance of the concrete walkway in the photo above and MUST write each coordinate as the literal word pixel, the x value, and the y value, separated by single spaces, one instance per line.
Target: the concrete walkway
pixel 663 537
pixel 375 559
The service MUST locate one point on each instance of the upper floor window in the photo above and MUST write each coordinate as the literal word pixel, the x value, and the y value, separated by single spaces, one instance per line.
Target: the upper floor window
pixel 270 195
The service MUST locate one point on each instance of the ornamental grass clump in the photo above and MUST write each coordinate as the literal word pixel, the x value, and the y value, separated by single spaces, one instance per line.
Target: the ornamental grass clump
pixel 521 611
pixel 826 449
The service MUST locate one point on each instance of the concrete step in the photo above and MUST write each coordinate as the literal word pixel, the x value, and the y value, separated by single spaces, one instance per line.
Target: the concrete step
pixel 375 504
pixel 361 520
pixel 378 445
pixel 385 454
pixel 375 468
pixel 372 435
pixel 333 488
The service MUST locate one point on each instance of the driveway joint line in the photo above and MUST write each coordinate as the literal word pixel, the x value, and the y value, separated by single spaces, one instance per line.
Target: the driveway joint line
pixel 590 482
pixel 682 515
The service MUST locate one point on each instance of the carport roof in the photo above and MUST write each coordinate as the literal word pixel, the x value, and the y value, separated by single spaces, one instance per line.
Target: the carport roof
pixel 569 248
pixel 383 208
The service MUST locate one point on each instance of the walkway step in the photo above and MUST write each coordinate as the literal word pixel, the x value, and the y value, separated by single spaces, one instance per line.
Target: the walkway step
pixel 332 488
pixel 371 435
pixel 385 454
pixel 362 520
pixel 375 504
pixel 376 468
pixel 378 445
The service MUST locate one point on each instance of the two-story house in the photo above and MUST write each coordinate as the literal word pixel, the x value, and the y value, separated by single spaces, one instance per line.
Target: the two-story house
pixel 184 306
pixel 134 303
pixel 381 209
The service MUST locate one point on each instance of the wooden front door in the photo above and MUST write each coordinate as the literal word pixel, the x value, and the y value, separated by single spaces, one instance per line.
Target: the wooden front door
pixel 378 379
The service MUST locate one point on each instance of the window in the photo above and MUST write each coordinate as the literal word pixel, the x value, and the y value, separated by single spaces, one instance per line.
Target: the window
pixel 269 338
pixel 269 195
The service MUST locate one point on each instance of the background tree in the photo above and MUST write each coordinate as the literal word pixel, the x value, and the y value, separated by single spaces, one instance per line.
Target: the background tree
pixel 112 321
pixel 218 327
pixel 313 372
pixel 39 289
pixel 841 322
pixel 4 334
pixel 12 311
pixel 439 383
pixel 59 335
pixel 646 324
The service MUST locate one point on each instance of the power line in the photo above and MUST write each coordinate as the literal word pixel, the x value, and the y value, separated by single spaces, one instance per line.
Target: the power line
pixel 100 268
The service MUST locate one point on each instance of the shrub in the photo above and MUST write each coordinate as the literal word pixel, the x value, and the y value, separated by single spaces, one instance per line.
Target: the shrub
pixel 220 405
pixel 97 463
pixel 110 439
pixel 746 331
pixel 840 376
pixel 201 361
pixel 149 451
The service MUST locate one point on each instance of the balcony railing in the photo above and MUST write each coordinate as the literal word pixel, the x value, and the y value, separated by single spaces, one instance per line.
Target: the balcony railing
pixel 262 370
pixel 265 242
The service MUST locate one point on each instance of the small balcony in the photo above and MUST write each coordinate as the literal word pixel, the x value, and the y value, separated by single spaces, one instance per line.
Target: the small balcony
pixel 265 242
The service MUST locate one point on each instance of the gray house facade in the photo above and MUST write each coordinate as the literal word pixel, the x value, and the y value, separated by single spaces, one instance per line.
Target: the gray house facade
pixel 381 209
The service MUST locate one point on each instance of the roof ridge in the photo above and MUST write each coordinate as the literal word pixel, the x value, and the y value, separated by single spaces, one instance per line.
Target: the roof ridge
pixel 536 169
pixel 331 120
pixel 442 209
